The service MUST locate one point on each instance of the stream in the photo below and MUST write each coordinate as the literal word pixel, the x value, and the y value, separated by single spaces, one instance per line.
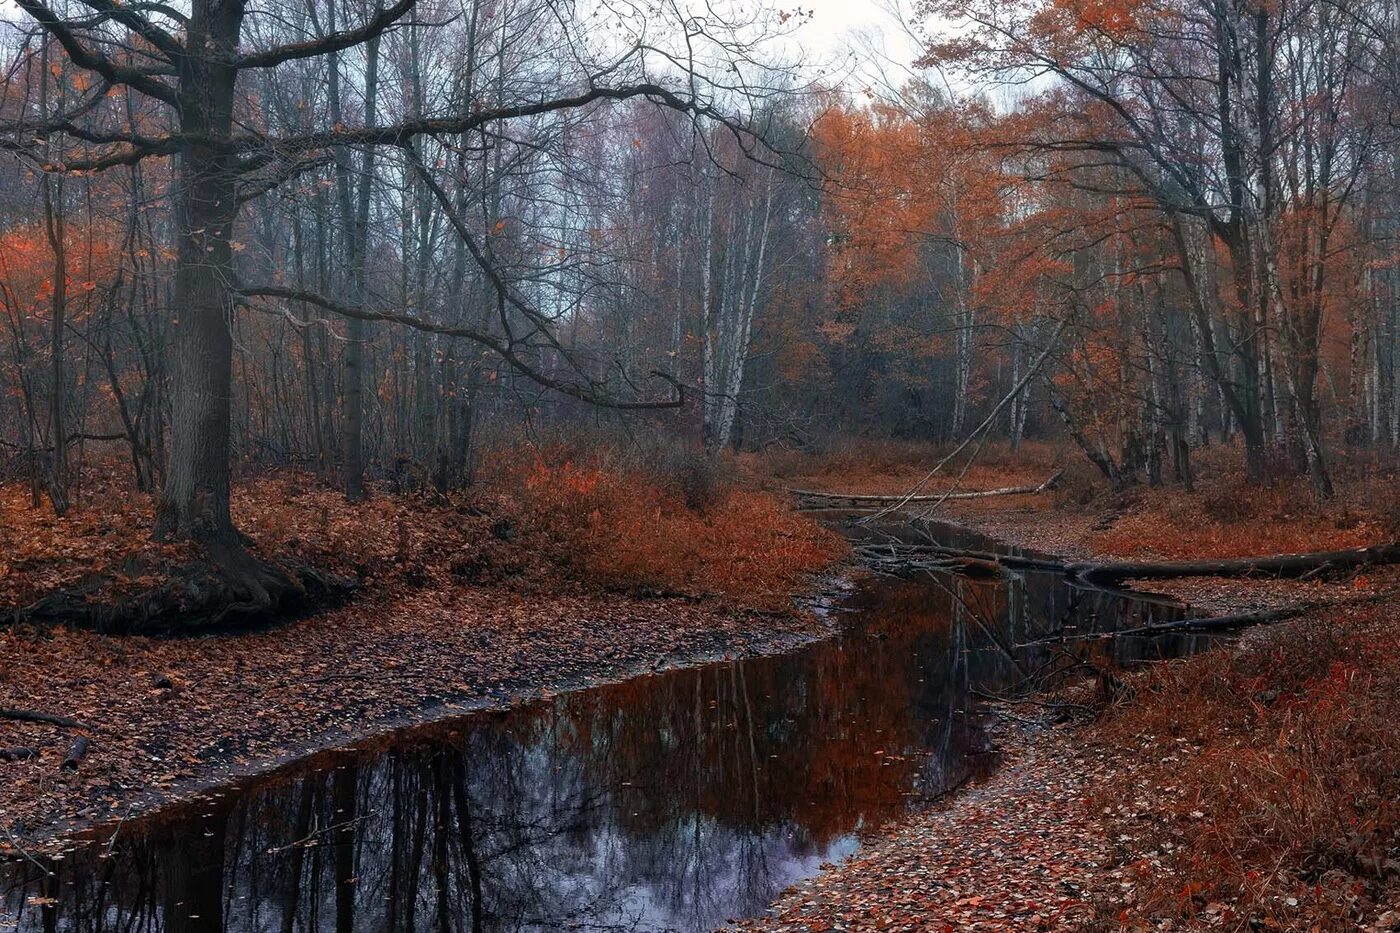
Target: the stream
pixel 673 801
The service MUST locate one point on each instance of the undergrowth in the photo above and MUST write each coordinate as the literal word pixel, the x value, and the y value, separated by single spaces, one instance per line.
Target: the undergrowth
pixel 682 528
pixel 656 520
pixel 1264 789
pixel 1233 518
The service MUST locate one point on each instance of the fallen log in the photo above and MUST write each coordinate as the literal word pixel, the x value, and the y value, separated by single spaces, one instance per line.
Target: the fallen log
pixel 76 752
pixel 1282 566
pixel 24 715
pixel 917 551
pixel 17 754
pixel 1198 625
pixel 877 501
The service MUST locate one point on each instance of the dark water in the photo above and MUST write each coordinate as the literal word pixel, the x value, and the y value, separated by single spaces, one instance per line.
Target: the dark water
pixel 669 802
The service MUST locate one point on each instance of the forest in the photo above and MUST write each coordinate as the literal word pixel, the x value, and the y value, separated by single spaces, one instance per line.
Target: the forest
pixel 1018 401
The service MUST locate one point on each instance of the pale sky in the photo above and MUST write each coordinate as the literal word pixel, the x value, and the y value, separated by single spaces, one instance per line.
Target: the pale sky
pixel 838 27
pixel 836 21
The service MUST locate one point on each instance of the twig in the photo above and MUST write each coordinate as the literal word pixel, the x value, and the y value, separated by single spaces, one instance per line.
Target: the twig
pixel 24 715
pixel 20 849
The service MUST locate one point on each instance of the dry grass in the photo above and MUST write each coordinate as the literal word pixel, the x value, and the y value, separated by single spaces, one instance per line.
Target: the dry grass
pixel 1265 785
pixel 677 523
pixel 1233 518
pixel 683 530
pixel 888 467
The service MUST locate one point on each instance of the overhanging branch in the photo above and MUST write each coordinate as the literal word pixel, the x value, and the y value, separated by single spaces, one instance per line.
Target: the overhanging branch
pixel 500 347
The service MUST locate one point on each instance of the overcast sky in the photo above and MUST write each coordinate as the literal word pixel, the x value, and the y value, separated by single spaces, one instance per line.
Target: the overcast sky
pixel 861 43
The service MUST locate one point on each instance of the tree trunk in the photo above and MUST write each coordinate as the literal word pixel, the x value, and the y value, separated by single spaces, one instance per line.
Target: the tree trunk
pixel 356 220
pixel 196 498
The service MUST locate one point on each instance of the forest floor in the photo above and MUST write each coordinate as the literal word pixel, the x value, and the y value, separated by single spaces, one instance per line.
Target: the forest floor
pixel 566 576
pixel 1252 787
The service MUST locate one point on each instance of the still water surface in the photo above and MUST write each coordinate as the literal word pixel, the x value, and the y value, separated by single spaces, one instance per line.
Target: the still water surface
pixel 669 802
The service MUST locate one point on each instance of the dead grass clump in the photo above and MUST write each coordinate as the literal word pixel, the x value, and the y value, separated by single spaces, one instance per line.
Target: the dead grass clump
pixel 688 531
pixel 1268 778
pixel 1233 518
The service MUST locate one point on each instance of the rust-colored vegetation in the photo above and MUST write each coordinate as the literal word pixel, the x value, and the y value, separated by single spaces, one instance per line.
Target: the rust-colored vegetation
pixel 1261 785
pixel 533 522
pixel 691 529
pixel 1230 517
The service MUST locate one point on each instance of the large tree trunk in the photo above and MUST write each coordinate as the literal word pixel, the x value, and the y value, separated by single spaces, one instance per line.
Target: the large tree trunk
pixel 196 499
pixel 195 502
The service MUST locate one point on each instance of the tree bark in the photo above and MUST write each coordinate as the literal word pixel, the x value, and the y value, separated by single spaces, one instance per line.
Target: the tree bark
pixel 195 503
pixel 1282 566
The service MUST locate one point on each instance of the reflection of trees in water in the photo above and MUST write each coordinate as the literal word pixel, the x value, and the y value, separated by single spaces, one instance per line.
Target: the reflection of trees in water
pixel 675 801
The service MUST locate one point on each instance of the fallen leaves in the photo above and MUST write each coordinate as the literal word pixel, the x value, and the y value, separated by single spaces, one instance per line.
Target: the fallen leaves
pixel 240 704
pixel 1018 852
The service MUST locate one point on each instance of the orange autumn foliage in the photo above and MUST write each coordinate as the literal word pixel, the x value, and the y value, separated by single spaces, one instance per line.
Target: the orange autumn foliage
pixel 27 267
pixel 624 529
pixel 615 528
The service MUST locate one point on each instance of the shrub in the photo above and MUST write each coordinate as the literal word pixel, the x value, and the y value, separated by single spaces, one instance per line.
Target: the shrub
pixel 686 531
pixel 1273 773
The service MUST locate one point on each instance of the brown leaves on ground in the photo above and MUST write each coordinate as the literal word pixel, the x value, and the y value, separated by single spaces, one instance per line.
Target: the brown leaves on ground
pixel 1018 852
pixel 1259 788
pixel 552 528
pixel 476 596
pixel 170 715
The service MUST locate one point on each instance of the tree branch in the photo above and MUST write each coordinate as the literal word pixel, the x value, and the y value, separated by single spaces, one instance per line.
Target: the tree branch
pixel 503 349
pixel 334 42
pixel 84 57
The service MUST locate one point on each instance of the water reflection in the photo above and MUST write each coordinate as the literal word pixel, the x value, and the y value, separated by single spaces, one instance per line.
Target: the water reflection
pixel 673 801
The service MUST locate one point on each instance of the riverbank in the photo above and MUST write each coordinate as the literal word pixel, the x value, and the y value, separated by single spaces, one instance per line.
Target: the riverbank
pixel 1227 517
pixel 1249 787
pixel 166 718
pixel 564 577
pixel 1020 851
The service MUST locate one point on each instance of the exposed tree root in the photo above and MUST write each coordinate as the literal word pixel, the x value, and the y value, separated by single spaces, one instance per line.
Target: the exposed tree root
pixel 226 587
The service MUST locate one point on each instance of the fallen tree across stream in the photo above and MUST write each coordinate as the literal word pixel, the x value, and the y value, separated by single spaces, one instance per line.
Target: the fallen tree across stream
pixel 1279 566
pixel 897 558
pixel 809 497
pixel 1110 574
